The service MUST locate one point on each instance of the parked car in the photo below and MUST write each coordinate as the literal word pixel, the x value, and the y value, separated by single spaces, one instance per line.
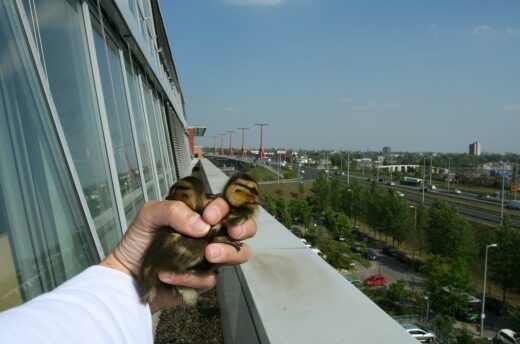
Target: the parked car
pixel 375 280
pixel 420 333
pixel 514 204
pixel 390 251
pixel 403 257
pixel 370 254
pixel 507 336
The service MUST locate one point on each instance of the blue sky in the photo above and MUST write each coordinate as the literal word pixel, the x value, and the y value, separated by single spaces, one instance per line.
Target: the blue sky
pixel 340 74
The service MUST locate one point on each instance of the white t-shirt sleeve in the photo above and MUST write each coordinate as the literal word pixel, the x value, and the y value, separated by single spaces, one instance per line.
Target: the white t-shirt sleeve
pixel 100 305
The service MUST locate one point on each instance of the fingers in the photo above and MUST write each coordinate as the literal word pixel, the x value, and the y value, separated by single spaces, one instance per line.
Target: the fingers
pixel 215 210
pixel 200 282
pixel 176 214
pixel 244 230
pixel 227 254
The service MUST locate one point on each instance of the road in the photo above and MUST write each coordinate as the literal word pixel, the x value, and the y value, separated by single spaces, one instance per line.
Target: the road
pixel 414 196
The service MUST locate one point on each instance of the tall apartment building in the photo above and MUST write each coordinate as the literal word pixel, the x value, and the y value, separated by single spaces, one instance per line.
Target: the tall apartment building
pixel 474 148
pixel 92 125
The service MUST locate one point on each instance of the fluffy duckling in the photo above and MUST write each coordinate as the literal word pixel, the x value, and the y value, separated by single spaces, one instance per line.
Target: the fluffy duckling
pixel 172 251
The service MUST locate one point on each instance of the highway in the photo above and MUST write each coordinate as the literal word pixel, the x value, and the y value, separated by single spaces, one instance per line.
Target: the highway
pixel 413 194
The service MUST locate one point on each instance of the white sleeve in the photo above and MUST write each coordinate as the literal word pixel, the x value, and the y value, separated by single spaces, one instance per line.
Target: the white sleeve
pixel 100 305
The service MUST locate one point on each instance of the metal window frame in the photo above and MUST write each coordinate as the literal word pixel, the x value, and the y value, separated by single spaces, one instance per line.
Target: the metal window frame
pixel 160 133
pixel 58 127
pixel 103 116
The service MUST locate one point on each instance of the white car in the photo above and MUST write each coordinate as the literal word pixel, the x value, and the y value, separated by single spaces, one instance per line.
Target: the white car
pixel 457 191
pixel 507 336
pixel 420 333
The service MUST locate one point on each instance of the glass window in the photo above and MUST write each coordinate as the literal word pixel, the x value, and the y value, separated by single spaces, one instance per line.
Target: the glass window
pixel 160 129
pixel 70 78
pixel 155 138
pixel 44 236
pixel 168 142
pixel 142 133
pixel 118 117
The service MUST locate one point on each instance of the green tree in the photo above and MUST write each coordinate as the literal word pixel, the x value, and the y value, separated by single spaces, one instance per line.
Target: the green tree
pixel 320 194
pixel 338 224
pixel 449 233
pixel 282 213
pixel 396 221
pixel 301 210
pixel 269 204
pixel 448 282
pixel 504 261
pixel 514 321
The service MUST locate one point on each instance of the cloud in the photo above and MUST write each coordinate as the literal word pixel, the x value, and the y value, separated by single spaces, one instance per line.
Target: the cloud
pixel 256 2
pixel 512 107
pixel 483 30
pixel 511 31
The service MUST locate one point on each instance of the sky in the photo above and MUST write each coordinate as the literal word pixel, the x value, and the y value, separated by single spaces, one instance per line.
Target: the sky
pixel 350 75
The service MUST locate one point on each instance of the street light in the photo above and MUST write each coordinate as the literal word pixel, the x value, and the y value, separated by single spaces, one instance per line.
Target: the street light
pixel 427 298
pixel 351 201
pixel 413 245
pixel 482 314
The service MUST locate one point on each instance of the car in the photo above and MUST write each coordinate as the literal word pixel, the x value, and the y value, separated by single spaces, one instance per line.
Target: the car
pixel 507 336
pixel 358 247
pixel 399 193
pixel 375 280
pixel 483 196
pixel 457 191
pixel 370 254
pixel 420 333
pixel 390 251
pixel 403 257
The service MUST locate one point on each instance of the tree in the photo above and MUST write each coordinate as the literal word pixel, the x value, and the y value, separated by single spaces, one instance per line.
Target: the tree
pixel 447 282
pixel 450 234
pixel 282 213
pixel 338 224
pixel 269 205
pixel 301 211
pixel 396 221
pixel 320 197
pixel 504 262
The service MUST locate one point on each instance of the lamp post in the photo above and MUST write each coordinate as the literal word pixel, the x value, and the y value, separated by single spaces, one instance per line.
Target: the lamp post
pixel 413 245
pixel 427 298
pixel 423 177
pixel 482 314
pixel 348 168
pixel 502 196
pixel 351 201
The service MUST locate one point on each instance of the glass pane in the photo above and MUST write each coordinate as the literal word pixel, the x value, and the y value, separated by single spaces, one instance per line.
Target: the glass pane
pixel 160 129
pixel 142 134
pixel 70 79
pixel 44 237
pixel 168 142
pixel 155 139
pixel 118 117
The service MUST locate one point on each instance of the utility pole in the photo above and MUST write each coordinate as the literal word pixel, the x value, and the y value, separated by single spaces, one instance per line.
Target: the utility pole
pixel 243 150
pixel 502 195
pixel 261 151
pixel 431 167
pixel 222 143
pixel 348 168
pixel 423 177
pixel 449 162
pixel 215 147
pixel 230 150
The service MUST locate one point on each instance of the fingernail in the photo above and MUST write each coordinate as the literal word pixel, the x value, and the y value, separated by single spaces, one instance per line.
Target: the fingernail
pixel 240 231
pixel 197 225
pixel 213 214
pixel 215 252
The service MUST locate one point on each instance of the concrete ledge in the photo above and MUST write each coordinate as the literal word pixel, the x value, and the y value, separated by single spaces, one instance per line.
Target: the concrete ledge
pixel 287 294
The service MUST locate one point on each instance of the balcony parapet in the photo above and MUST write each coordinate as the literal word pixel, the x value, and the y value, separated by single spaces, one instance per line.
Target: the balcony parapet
pixel 287 294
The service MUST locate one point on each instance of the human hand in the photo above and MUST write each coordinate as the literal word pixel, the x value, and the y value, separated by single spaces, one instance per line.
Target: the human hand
pixel 126 256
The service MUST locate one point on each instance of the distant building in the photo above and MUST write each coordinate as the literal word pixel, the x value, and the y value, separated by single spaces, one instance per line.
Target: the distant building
pixel 387 150
pixel 474 148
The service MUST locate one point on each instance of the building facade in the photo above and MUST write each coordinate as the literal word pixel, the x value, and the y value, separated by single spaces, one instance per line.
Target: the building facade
pixel 92 125
pixel 475 148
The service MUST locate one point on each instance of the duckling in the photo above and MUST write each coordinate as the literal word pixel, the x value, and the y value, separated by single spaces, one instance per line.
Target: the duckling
pixel 172 251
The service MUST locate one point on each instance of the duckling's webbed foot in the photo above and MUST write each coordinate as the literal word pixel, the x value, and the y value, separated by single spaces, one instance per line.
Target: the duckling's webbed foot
pixel 227 240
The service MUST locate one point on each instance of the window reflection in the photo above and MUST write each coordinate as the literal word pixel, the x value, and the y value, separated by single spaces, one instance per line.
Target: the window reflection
pixel 150 112
pixel 44 237
pixel 142 134
pixel 118 117
pixel 67 64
